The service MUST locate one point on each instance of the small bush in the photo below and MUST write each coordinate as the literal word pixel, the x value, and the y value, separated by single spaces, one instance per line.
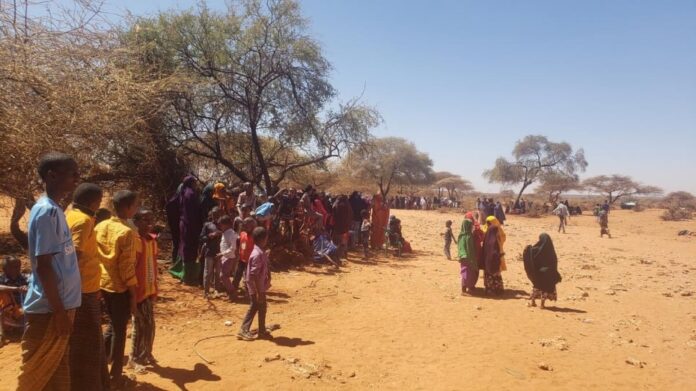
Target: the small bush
pixel 639 208
pixel 676 213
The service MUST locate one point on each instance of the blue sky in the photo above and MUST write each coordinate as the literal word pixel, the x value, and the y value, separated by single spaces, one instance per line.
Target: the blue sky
pixel 464 80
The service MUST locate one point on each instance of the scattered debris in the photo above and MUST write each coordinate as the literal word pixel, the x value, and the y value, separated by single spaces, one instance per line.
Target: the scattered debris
pixel 545 367
pixel 558 342
pixel 276 357
pixel 636 362
pixel 228 323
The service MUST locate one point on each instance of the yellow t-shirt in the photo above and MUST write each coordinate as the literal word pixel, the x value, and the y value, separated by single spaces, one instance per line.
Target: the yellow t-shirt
pixel 116 244
pixel 83 236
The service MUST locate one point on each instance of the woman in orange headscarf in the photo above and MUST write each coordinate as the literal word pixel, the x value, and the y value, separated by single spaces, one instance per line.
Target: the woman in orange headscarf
pixel 380 217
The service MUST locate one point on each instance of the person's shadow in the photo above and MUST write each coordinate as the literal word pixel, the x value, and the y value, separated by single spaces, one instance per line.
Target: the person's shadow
pixel 181 376
pixel 291 342
pixel 566 310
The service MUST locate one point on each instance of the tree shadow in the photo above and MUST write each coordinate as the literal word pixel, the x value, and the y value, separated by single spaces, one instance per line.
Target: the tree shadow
pixel 181 376
pixel 291 342
pixel 565 310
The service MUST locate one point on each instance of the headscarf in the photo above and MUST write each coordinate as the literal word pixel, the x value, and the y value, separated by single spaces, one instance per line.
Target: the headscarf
pixel 465 243
pixel 218 193
pixel 493 222
pixel 541 264
pixel 491 251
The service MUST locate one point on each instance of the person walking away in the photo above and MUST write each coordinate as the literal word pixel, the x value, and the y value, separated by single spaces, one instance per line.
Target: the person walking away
pixel 228 253
pixel 467 255
pixel 562 212
pixel 604 223
pixel 210 237
pixel 88 367
pixel 258 281
pixel 541 267
pixel 116 249
pixel 449 237
pixel 54 291
pixel 146 251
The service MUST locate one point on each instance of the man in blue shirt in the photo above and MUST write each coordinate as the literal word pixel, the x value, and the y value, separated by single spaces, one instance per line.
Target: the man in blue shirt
pixel 54 287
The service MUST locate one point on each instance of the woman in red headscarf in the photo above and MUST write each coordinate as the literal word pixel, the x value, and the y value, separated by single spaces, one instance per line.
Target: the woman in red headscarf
pixel 380 218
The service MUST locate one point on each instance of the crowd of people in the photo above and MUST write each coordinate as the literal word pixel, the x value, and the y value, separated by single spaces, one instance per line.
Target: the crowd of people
pixel 89 262
pixel 482 247
pixel 417 202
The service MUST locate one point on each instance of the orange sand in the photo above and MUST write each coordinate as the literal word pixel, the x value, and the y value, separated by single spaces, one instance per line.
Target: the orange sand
pixel 402 324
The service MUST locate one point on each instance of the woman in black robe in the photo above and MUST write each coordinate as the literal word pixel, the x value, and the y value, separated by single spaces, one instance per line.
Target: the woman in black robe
pixel 541 266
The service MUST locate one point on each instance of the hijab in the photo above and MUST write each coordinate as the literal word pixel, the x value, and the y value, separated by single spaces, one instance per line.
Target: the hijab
pixel 491 250
pixel 465 243
pixel 541 264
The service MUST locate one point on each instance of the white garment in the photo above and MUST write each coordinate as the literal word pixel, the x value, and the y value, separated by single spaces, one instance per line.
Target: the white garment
pixel 228 244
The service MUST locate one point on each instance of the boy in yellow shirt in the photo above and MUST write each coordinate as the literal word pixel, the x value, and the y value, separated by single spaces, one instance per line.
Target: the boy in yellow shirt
pixel 116 245
pixel 88 367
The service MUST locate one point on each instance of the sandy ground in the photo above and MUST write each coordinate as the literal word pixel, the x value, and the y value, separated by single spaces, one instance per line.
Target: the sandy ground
pixel 402 324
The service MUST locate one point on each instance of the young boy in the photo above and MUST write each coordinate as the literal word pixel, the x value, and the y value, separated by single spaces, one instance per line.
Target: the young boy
pixel 88 366
pixel 258 280
pixel 449 238
pixel 116 247
pixel 210 237
pixel 365 232
pixel 246 246
pixel 13 287
pixel 228 253
pixel 54 287
pixel 146 251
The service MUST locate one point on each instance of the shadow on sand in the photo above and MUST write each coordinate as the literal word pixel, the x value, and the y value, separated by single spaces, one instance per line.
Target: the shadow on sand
pixel 182 376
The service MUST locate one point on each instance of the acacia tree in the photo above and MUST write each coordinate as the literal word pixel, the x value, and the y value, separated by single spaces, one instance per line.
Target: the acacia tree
pixel 67 84
pixel 554 184
pixel 259 75
pixel 618 186
pixel 534 157
pixel 390 161
pixel 453 184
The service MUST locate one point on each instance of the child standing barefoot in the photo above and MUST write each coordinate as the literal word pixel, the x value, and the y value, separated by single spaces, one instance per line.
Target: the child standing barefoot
pixel 365 232
pixel 449 237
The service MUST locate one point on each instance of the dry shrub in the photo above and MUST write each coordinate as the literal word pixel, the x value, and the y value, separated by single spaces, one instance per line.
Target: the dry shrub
pixel 68 84
pixel 676 213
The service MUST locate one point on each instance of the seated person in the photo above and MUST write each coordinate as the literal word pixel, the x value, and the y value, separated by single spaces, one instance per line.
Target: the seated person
pixel 324 248
pixel 13 287
pixel 396 238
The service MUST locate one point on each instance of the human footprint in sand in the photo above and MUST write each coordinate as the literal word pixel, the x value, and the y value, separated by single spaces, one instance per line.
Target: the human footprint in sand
pixel 541 266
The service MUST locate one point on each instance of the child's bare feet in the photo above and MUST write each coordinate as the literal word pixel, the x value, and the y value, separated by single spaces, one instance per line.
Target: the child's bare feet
pixel 531 303
pixel 542 306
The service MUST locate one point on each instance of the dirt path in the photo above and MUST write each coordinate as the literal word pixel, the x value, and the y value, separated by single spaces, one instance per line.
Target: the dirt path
pixel 401 324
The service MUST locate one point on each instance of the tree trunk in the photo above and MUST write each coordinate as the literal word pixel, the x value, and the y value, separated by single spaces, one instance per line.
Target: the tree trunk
pixel 525 184
pixel 256 143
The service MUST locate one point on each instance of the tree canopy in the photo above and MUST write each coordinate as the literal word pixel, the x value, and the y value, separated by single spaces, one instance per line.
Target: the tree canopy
pixel 454 184
pixel 617 186
pixel 554 184
pixel 534 157
pixel 256 75
pixel 391 161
